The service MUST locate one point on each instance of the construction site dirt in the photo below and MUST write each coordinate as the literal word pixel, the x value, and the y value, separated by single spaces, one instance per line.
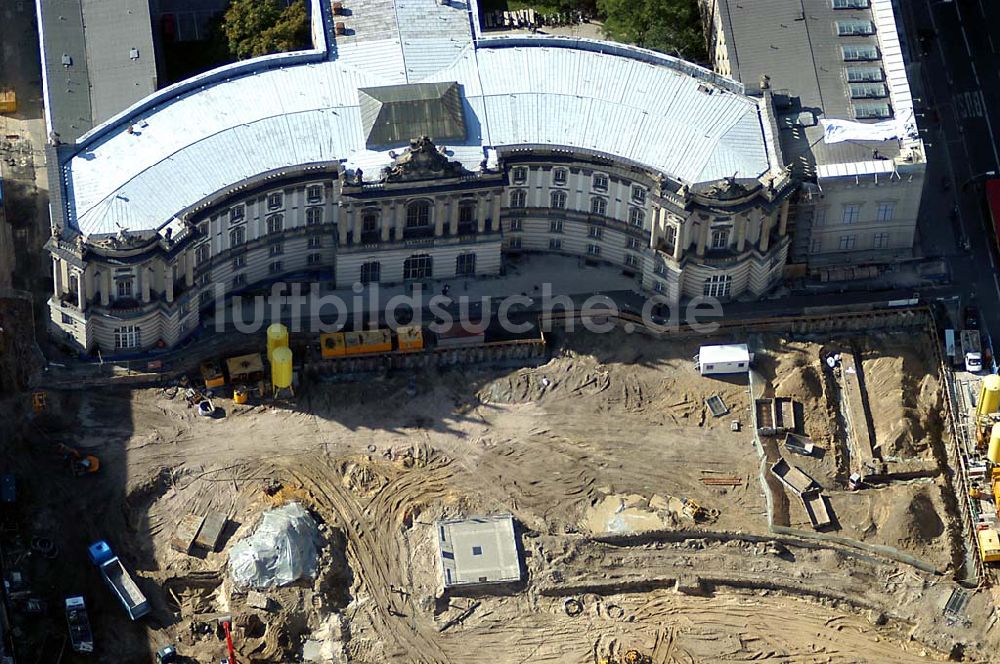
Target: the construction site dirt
pixel 643 521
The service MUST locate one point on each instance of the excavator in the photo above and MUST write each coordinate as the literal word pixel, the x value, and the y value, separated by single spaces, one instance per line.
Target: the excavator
pixel 79 463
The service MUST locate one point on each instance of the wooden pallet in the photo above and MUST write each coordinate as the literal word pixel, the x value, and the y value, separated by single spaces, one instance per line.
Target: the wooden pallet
pixel 722 481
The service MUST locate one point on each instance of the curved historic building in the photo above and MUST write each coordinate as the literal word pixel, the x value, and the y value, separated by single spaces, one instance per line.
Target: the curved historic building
pixel 407 146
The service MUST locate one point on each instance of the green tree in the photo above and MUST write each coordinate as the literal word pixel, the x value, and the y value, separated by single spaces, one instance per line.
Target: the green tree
pixel 670 26
pixel 258 27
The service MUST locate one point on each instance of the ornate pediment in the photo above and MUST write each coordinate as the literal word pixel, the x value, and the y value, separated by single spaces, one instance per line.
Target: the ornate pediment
pixel 423 161
pixel 727 188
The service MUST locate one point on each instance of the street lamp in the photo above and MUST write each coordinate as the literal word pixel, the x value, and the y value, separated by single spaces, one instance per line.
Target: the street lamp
pixel 977 175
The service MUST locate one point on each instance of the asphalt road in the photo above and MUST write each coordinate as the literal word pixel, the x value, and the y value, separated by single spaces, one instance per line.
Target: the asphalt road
pixel 957 43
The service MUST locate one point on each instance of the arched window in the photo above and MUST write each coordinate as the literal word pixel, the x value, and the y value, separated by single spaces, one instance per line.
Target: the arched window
pixel 275 223
pixel 518 197
pixel 418 266
pixel 418 214
pixel 598 205
pixel 636 217
pixel 559 200
pixel 202 253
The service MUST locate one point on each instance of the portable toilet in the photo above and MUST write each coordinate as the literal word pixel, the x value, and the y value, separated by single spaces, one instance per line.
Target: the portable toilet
pixel 723 359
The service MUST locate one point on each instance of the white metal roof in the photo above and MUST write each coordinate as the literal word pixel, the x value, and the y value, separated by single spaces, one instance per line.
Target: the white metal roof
pixel 723 353
pixel 543 91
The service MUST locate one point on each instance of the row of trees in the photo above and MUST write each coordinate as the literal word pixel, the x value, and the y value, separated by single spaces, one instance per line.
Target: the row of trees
pixel 670 26
pixel 250 28
pixel 258 27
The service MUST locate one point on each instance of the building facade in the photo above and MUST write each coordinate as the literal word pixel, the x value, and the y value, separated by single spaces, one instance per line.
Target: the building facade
pixel 346 169
pixel 838 82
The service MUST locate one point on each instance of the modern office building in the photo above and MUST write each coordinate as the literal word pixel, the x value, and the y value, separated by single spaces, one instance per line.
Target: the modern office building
pixel 837 75
pixel 407 146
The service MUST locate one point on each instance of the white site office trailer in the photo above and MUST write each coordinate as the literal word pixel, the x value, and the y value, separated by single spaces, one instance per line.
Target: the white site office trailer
pixel 723 359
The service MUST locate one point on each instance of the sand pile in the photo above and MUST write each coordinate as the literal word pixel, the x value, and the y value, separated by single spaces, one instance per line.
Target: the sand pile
pixel 912 524
pixel 905 399
pixel 632 513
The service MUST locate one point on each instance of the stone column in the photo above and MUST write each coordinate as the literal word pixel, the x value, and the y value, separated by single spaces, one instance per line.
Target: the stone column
pixel 453 215
pixel 398 220
pixel 56 277
pixel 106 287
pixel 439 214
pixel 144 275
pixel 81 295
pixel 765 232
pixel 168 282
pixel 385 221
pixel 482 210
pixel 88 279
pixel 357 224
pixel 189 269
pixel 783 218
pixel 742 222
pixel 495 212
pixel 343 224
pixel 702 236
pixel 679 242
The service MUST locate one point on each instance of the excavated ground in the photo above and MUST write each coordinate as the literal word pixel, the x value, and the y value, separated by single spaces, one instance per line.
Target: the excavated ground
pixel 593 453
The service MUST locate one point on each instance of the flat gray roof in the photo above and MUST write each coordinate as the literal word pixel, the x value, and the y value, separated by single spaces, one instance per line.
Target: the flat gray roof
pixel 97 60
pixel 478 550
pixel 798 46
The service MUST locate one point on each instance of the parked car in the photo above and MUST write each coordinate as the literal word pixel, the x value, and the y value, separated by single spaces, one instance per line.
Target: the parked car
pixel 971 318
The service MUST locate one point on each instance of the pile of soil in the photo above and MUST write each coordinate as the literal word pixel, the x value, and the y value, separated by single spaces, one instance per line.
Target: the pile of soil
pixel 912 523
pixel 905 399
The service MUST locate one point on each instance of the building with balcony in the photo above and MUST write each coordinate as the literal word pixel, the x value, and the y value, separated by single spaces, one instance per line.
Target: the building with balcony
pixel 837 77
pixel 406 146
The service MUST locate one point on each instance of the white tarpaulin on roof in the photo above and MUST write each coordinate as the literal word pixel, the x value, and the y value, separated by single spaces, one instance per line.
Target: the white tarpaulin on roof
pixel 283 549
pixel 838 131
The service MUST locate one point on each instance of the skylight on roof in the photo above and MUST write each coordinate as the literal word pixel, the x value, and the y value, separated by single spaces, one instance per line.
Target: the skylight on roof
pixel 851 4
pixel 859 52
pixel 855 27
pixel 867 90
pixel 864 74
pixel 872 111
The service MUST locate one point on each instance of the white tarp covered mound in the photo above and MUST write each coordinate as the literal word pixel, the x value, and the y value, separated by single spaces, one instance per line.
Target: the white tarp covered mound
pixel 283 549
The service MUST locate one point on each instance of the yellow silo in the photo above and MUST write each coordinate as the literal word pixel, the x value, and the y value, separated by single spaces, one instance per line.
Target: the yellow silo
pixel 277 337
pixel 281 368
pixel 993 452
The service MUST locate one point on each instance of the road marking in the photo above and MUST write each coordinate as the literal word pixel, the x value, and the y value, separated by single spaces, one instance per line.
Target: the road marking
pixel 996 284
pixel 989 123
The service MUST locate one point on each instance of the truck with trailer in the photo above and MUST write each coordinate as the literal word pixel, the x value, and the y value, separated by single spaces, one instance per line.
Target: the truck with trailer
pixel 119 580
pixel 81 639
